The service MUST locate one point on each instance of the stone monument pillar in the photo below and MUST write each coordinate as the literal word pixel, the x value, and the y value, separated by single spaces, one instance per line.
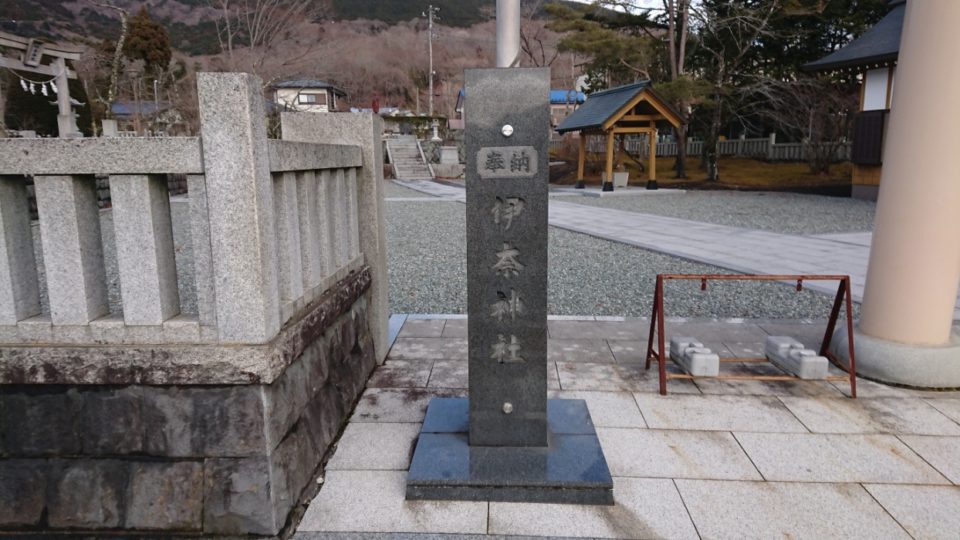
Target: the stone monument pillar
pixel 507 442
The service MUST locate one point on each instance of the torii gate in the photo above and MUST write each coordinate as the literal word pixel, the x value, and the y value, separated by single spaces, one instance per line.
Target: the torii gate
pixel 31 61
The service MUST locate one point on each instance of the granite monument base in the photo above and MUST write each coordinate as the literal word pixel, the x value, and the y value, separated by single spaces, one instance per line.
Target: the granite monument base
pixel 571 469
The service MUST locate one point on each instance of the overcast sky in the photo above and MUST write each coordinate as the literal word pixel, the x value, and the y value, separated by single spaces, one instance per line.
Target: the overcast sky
pixel 642 3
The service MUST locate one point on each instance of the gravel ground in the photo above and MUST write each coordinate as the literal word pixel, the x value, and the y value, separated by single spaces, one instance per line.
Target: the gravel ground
pixel 788 213
pixel 396 190
pixel 588 276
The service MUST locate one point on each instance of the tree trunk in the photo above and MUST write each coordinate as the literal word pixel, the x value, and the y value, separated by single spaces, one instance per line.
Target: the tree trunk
pixel 710 150
pixel 681 164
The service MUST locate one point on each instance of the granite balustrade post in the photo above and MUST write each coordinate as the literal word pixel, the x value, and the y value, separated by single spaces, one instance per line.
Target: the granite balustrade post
pixel 239 192
pixel 145 256
pixel 19 288
pixel 364 130
pixel 72 248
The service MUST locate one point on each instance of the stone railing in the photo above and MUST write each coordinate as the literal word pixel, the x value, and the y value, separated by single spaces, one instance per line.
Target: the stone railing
pixel 202 349
pixel 272 224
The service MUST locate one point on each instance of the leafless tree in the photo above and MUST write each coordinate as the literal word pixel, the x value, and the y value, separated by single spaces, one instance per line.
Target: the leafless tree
pixel 819 112
pixel 249 32
pixel 726 37
pixel 534 37
pixel 117 55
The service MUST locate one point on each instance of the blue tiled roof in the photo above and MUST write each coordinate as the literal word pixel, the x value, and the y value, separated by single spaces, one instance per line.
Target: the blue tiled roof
pixel 124 109
pixel 600 106
pixel 878 45
pixel 557 96
pixel 563 97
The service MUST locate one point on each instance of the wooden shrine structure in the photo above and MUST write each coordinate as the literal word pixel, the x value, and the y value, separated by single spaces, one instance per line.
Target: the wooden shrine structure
pixel 624 110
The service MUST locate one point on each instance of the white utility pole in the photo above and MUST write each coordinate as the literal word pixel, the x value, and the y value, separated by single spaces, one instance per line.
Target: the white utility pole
pixel 508 33
pixel 431 13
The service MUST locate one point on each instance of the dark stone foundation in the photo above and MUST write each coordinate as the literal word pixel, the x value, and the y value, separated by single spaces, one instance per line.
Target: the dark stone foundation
pixel 217 459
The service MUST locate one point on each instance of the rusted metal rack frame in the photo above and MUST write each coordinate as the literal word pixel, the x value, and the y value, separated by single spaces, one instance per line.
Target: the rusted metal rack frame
pixel 843 297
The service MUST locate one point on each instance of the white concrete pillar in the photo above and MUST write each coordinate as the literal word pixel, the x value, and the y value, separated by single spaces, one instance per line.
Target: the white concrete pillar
pixel 72 248
pixel 904 335
pixel 239 189
pixel 145 256
pixel 508 33
pixel 911 287
pixel 19 288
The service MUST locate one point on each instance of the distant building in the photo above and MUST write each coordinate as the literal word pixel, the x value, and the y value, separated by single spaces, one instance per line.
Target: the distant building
pixel 307 95
pixel 874 56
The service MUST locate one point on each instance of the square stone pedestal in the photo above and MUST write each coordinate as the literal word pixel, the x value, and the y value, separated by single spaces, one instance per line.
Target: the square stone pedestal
pixel 570 469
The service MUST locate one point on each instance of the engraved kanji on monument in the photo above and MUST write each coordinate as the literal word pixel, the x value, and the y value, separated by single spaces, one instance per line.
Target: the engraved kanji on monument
pixel 507 441
pixel 507 143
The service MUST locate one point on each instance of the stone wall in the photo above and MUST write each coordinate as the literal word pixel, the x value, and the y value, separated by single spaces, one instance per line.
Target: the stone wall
pixel 213 459
pixel 176 185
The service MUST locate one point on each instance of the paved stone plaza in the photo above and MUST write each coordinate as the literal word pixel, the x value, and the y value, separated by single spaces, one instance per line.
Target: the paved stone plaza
pixel 713 459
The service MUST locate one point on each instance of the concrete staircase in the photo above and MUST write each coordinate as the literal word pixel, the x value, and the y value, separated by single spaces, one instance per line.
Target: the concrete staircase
pixel 407 162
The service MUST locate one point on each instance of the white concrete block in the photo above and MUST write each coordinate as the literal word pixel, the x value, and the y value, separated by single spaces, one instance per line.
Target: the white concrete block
pixel 790 355
pixel 145 256
pixel 19 288
pixel 72 248
pixel 693 357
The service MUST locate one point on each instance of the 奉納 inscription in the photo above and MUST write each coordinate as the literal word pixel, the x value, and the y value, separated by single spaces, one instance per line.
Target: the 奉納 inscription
pixel 507 162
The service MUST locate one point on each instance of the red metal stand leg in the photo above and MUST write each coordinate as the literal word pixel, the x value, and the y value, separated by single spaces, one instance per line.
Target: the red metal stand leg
pixel 834 315
pixel 653 325
pixel 661 337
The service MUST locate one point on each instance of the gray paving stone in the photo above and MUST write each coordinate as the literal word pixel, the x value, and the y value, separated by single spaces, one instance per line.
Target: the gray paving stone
pixel 617 378
pixel 836 458
pixel 785 510
pixel 870 389
pixel 594 351
pixel 422 328
pixel 429 349
pixel 949 407
pixel 864 415
pixel 648 453
pixel 645 508
pixel 717 331
pixel 375 446
pixel 743 349
pixel 763 388
pixel 455 328
pixel 401 374
pixel 373 501
pixel 448 374
pixel 396 404
pixel 811 335
pixel 607 409
pixel 924 511
pixel 718 413
pixel 624 330
pixel 628 351
pixel 941 452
